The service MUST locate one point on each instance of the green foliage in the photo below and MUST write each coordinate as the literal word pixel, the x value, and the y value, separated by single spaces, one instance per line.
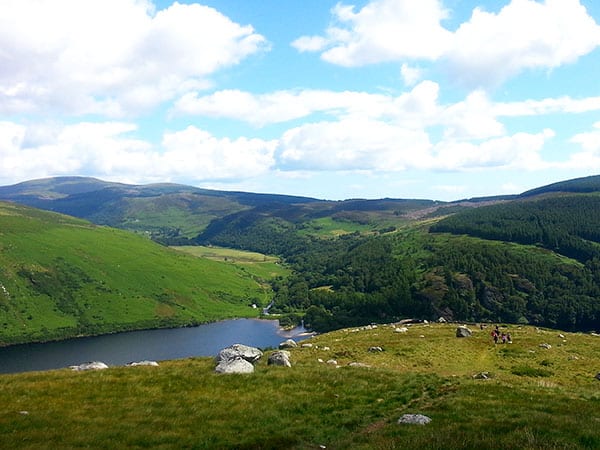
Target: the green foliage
pixel 64 277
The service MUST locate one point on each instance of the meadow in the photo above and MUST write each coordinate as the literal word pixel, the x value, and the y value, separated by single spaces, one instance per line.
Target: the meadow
pixel 532 397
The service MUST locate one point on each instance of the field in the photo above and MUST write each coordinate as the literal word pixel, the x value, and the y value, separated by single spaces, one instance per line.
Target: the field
pixel 533 397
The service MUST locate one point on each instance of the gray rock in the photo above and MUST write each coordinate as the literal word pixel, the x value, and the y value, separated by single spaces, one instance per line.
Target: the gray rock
pixel 415 419
pixel 143 363
pixel 481 376
pixel 290 343
pixel 234 365
pixel 463 332
pixel 250 354
pixel 375 349
pixel 546 346
pixel 442 320
pixel 280 358
pixel 358 364
pixel 94 365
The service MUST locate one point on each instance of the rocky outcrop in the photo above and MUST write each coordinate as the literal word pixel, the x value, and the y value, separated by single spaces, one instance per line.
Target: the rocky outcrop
pixel 94 365
pixel 463 332
pixel 415 419
pixel 280 358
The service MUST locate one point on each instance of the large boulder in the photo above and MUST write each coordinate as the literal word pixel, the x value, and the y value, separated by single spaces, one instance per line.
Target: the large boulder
pixel 94 365
pixel 280 358
pixel 234 365
pixel 245 352
pixel 463 332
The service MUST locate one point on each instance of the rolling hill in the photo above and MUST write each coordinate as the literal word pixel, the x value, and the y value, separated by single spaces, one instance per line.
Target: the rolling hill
pixel 61 277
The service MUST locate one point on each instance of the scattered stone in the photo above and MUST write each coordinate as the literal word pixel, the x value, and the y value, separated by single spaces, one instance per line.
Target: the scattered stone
pixel 94 365
pixel 562 336
pixel 250 354
pixel 375 349
pixel 463 331
pixel 358 364
pixel 325 349
pixel 546 346
pixel 573 357
pixel 307 345
pixel 320 360
pixel 280 358
pixel 235 365
pixel 24 413
pixel 442 320
pixel 482 376
pixel 333 362
pixel 289 343
pixel 401 330
pixel 415 419
pixel 421 335
pixel 143 363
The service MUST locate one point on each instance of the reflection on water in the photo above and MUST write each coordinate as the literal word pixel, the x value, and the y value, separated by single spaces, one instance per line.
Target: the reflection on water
pixel 122 348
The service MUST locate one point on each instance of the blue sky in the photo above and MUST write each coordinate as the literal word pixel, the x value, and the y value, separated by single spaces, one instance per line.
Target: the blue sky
pixel 439 99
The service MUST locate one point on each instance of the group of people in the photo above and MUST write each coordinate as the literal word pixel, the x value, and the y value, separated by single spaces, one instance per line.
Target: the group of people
pixel 502 337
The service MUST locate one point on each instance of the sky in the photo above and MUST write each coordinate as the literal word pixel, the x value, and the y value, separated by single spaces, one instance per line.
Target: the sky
pixel 436 99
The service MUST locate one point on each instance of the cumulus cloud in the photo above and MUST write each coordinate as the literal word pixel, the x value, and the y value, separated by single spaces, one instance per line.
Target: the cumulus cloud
pixel 485 50
pixel 108 150
pixel 383 30
pixel 111 57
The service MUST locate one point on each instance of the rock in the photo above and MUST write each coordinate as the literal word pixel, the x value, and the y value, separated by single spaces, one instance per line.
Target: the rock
pixel 234 365
pixel 463 332
pixel 143 363
pixel 358 364
pixel 562 336
pixel 94 365
pixel 546 346
pixel 280 358
pixel 442 320
pixel 481 376
pixel 250 354
pixel 333 362
pixel 290 343
pixel 416 419
pixel 307 345
pixel 375 349
pixel 401 330
pixel 598 376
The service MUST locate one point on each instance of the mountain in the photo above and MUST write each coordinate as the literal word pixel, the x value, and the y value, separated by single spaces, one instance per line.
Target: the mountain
pixel 61 277
pixel 174 213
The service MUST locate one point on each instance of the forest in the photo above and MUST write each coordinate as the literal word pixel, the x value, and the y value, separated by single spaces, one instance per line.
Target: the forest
pixel 355 279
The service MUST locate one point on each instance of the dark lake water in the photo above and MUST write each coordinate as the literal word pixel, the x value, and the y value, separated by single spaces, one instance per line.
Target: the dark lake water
pixel 156 345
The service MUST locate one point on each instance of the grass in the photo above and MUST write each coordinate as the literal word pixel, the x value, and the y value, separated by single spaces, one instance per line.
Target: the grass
pixel 63 277
pixel 183 404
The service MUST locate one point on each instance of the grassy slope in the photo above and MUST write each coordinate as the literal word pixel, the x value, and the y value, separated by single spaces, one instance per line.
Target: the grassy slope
pixel 535 399
pixel 64 276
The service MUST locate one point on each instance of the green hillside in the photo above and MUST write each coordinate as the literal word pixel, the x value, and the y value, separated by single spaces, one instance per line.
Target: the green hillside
pixel 478 395
pixel 61 276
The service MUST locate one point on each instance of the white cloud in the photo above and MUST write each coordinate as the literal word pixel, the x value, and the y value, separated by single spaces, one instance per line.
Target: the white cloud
pixel 108 150
pixel 484 51
pixel 519 151
pixel 525 34
pixel 112 57
pixel 383 30
pixel 283 106
pixel 353 145
pixel 564 104
pixel 410 75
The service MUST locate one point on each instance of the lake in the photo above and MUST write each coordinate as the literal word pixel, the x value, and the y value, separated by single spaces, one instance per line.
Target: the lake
pixel 122 348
